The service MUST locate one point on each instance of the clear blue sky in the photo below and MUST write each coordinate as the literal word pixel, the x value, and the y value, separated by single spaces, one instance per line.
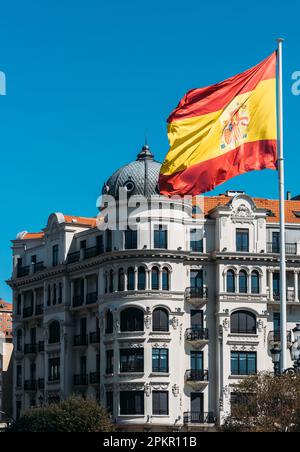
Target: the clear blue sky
pixel 85 80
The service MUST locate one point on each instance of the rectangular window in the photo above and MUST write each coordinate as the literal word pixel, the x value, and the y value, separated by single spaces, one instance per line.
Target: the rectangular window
pixel 108 240
pixel 110 401
pixel 131 403
pixel 99 243
pixel 276 286
pixel 160 403
pixel 83 244
pixel 161 237
pixel 160 360
pixel 196 240
pixel 54 369
pixel 196 360
pixel 242 240
pixel 19 305
pixel 54 255
pixel 130 239
pixel 109 361
pixel 19 376
pixel 132 360
pixel 275 242
pixel 243 363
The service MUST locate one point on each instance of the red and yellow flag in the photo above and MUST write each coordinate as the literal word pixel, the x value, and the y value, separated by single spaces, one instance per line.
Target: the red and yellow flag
pixel 221 131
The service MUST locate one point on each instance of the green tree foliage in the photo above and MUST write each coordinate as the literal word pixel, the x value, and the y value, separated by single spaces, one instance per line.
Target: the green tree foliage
pixel 72 415
pixel 265 403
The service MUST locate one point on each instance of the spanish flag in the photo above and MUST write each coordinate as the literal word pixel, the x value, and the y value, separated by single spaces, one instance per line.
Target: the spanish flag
pixel 221 131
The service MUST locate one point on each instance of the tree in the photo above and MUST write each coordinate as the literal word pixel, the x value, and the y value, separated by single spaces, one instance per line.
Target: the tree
pixel 265 403
pixel 72 415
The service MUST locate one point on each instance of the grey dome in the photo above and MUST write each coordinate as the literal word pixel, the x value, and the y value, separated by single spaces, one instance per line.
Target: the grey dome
pixel 138 178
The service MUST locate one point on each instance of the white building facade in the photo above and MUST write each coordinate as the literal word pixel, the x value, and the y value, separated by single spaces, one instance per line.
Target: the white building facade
pixel 156 323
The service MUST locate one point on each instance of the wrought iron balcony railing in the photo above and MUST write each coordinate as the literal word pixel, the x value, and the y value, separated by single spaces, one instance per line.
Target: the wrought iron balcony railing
pixel 196 417
pixel 38 267
pixel 23 271
pixel 95 337
pixel 290 248
pixel 81 380
pixel 93 252
pixel 28 312
pixel 80 340
pixel 196 334
pixel 78 300
pixel 30 349
pixel 41 383
pixel 94 378
pixel 39 309
pixel 196 375
pixel 91 298
pixel 30 385
pixel 132 367
pixel 73 257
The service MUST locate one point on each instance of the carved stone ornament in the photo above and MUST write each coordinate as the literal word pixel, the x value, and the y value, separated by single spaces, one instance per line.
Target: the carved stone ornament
pixel 174 322
pixel 147 389
pixel 175 390
pixel 226 324
pixel 260 325
pixel 147 321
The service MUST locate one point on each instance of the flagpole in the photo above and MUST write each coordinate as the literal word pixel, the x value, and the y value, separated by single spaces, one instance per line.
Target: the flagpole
pixel 283 322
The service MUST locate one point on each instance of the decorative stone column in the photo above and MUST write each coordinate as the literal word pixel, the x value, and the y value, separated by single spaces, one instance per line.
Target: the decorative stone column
pixel 135 278
pixel 296 285
pixel 270 283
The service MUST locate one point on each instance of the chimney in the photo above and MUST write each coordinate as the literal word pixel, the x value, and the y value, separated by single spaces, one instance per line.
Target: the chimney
pixel 288 195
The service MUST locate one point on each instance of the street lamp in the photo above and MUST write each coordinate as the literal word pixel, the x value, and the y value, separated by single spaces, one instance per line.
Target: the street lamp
pixel 295 348
pixel 276 353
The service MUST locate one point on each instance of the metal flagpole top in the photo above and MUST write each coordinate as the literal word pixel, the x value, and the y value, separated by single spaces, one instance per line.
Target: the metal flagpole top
pixel 279 39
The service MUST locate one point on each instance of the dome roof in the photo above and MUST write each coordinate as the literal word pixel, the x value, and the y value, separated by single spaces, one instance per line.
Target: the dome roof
pixel 138 178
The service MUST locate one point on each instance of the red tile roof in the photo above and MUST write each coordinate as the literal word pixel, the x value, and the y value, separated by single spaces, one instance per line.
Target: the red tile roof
pixel 33 236
pixel 85 221
pixel 272 205
pixel 5 306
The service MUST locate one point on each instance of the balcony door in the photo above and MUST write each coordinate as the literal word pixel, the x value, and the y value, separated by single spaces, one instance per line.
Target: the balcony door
pixel 196 279
pixel 196 319
pixel 196 406
pixel 275 242
pixel 196 361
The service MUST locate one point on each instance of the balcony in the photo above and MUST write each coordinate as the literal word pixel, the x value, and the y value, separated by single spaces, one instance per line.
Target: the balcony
pixel 195 417
pixel 41 383
pixel 274 338
pixel 30 385
pixel 55 379
pixel 274 248
pixel 95 337
pixel 94 378
pixel 73 257
pixel 28 312
pixel 198 379
pixel 30 349
pixel 132 367
pixel 81 380
pixel 197 296
pixel 93 252
pixel 38 267
pixel 92 298
pixel 80 340
pixel 78 301
pixel 39 309
pixel 197 336
pixel 23 271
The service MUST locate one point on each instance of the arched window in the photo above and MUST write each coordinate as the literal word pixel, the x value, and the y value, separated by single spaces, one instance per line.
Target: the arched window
pixel 243 322
pixel 255 282
pixel 121 280
pixel 243 282
pixel 132 319
pixel 165 279
pixel 111 281
pixel 141 278
pixel 130 278
pixel 155 278
pixel 160 320
pixel 230 277
pixel 54 332
pixel 109 322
